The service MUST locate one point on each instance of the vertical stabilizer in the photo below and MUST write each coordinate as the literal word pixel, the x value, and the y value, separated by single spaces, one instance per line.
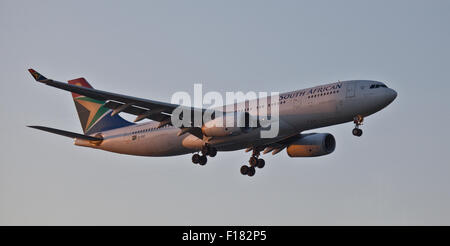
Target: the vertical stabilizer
pixel 94 117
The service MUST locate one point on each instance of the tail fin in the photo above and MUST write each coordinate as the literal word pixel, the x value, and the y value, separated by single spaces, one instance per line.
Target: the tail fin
pixel 94 117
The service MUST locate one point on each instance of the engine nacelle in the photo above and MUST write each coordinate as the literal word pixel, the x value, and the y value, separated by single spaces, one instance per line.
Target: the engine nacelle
pixel 227 125
pixel 310 145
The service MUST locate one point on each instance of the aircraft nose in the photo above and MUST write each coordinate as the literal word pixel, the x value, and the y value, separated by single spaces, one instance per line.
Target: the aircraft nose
pixel 391 95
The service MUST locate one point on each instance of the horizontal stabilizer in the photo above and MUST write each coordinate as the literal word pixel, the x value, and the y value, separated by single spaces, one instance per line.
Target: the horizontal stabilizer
pixel 66 133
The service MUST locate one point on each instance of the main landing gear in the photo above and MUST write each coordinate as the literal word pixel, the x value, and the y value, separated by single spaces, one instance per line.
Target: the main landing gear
pixel 202 159
pixel 358 120
pixel 253 162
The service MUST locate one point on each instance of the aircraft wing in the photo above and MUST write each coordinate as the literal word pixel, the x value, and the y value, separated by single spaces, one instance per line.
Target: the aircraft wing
pixel 142 108
pixel 275 147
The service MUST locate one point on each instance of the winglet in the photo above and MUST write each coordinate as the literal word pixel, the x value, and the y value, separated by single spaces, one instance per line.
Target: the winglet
pixel 37 76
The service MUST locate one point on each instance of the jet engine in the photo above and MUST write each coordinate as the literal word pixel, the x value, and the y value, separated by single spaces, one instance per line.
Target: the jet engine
pixel 230 124
pixel 313 144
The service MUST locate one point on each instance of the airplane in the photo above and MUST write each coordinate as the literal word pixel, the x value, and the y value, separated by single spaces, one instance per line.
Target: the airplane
pixel 299 111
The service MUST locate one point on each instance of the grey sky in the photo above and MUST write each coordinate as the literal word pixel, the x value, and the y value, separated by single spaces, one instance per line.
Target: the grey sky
pixel 396 174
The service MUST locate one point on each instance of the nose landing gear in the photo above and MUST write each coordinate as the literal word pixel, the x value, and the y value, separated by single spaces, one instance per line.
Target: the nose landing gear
pixel 253 163
pixel 358 120
pixel 202 159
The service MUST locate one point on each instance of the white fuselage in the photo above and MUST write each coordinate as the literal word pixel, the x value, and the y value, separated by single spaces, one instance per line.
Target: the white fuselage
pixel 300 110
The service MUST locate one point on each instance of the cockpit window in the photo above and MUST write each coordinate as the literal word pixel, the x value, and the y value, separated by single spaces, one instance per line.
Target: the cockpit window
pixel 377 86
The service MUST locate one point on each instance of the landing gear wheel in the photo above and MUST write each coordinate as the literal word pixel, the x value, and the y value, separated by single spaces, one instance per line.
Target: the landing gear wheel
pixel 205 150
pixel 357 132
pixel 202 160
pixel 244 170
pixel 253 161
pixel 212 152
pixel 261 163
pixel 251 171
pixel 196 158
